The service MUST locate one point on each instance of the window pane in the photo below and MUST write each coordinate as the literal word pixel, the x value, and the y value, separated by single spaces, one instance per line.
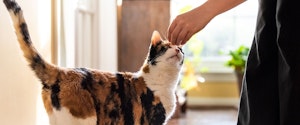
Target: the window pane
pixel 225 32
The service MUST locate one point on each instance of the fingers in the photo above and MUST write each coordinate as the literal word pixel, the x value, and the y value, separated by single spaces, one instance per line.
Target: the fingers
pixel 171 29
pixel 187 37
pixel 179 35
pixel 175 33
pixel 179 31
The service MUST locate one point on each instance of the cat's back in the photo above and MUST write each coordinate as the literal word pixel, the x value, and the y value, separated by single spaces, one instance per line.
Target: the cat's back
pixel 86 97
pixel 74 98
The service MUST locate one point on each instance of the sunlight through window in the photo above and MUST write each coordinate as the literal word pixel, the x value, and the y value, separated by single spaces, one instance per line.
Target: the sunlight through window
pixel 225 32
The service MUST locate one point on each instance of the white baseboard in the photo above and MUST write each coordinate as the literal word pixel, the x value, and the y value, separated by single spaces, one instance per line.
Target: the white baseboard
pixel 196 101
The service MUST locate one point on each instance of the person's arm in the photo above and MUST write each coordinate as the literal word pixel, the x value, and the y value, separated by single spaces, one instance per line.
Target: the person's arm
pixel 184 26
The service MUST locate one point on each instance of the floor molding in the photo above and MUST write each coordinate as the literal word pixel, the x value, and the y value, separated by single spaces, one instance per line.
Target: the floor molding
pixel 218 102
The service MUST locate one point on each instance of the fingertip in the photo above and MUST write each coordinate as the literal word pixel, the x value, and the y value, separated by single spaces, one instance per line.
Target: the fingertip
pixel 182 43
pixel 171 28
pixel 187 38
pixel 179 42
pixel 169 36
pixel 176 42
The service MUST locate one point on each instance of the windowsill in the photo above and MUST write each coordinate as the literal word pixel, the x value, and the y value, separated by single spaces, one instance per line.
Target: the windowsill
pixel 217 71
pixel 219 77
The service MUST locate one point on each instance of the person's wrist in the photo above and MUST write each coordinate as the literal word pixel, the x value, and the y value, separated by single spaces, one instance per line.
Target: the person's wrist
pixel 208 11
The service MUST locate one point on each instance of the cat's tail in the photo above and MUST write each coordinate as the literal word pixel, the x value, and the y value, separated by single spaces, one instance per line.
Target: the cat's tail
pixel 46 72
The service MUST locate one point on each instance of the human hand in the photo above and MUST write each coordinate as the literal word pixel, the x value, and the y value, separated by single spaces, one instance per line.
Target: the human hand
pixel 184 26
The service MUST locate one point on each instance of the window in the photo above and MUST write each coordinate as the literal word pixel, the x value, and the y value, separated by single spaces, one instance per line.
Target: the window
pixel 225 32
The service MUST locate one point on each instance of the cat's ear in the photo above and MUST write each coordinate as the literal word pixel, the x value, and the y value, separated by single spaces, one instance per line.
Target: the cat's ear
pixel 155 38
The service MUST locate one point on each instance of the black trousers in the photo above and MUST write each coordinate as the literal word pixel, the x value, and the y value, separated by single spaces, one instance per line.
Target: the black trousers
pixel 271 85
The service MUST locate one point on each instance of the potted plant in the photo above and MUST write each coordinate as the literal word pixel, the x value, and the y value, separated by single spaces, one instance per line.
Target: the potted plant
pixel 238 62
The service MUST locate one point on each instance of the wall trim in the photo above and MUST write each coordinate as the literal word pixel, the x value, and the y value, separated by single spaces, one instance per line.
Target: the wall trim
pixel 199 101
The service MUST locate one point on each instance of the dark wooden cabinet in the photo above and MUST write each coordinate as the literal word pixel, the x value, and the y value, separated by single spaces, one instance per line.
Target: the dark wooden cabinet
pixel 137 19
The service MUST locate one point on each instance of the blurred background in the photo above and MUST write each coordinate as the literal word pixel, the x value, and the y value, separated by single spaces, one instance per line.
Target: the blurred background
pixel 114 35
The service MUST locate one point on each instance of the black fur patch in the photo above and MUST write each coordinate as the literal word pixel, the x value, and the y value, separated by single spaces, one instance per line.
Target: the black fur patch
pixel 113 114
pixel 181 63
pixel 101 82
pixel 156 114
pixel 55 89
pixel 159 115
pixel 126 104
pixel 12 5
pixel 37 61
pixel 156 51
pixel 25 33
pixel 142 119
pixel 87 84
pixel 147 99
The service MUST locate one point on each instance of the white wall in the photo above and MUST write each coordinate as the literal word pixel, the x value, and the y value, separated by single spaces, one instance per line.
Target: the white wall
pixel 108 35
pixel 19 89
pixel 96 34
pixel 94 42
pixel 20 101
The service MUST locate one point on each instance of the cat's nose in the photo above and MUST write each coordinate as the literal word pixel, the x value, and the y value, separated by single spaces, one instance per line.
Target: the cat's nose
pixel 177 50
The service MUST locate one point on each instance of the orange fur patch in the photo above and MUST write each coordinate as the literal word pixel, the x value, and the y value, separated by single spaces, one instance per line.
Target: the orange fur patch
pixel 72 96
pixel 47 101
pixel 146 69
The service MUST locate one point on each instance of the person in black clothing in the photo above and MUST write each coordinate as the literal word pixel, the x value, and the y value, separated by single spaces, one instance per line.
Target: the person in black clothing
pixel 270 93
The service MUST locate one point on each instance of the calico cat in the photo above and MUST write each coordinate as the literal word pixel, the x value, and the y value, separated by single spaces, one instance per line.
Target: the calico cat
pixel 83 96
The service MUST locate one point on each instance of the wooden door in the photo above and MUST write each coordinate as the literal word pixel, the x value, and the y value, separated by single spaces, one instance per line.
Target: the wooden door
pixel 137 20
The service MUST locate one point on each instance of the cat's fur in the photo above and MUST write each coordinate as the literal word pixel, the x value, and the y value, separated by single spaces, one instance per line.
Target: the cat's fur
pixel 82 96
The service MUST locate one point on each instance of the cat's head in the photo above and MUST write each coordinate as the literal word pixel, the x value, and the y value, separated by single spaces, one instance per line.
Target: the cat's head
pixel 162 54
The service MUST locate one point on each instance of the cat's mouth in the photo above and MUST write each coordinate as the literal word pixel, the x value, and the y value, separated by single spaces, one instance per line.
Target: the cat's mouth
pixel 176 56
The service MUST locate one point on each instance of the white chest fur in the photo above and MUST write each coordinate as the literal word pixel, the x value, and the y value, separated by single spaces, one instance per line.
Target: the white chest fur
pixel 164 86
pixel 63 117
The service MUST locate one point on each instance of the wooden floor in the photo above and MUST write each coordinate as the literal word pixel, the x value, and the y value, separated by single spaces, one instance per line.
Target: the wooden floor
pixel 211 116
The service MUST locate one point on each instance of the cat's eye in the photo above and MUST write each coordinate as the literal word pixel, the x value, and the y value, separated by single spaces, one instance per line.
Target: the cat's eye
pixel 167 45
pixel 164 48
pixel 180 49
